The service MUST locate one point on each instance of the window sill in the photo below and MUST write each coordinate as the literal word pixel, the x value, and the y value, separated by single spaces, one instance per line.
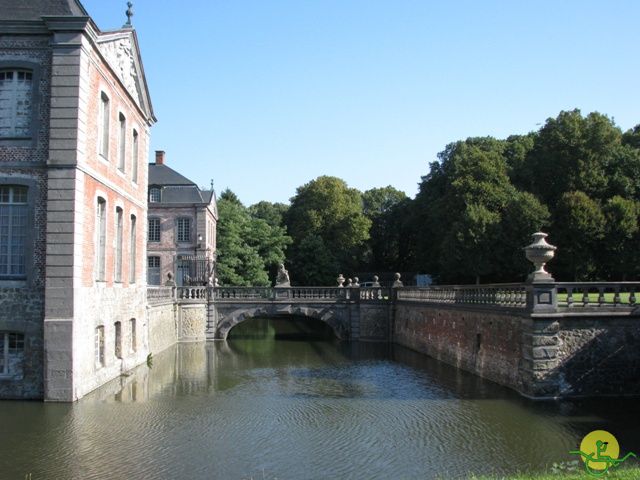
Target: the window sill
pixel 16 141
pixel 13 283
pixel 103 158
pixel 10 377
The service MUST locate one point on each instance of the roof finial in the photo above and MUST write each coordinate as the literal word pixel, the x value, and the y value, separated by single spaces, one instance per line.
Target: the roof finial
pixel 129 14
pixel 212 184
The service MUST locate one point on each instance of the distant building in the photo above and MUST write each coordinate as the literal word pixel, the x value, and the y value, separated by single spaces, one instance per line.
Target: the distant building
pixel 181 233
pixel 75 116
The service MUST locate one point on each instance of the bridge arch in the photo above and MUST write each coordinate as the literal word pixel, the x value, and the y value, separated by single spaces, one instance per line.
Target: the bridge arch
pixel 227 321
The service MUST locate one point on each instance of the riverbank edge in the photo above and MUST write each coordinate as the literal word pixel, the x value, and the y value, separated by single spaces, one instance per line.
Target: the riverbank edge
pixel 621 474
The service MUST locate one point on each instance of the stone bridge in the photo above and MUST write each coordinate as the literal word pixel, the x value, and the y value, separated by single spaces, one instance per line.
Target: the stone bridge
pixel 543 339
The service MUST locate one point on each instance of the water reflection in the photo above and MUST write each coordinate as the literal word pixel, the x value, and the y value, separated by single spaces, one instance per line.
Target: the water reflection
pixel 298 409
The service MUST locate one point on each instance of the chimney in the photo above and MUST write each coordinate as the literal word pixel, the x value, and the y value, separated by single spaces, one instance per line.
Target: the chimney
pixel 159 157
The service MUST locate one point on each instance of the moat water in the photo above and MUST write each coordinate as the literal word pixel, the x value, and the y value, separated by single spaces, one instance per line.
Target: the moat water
pixel 260 407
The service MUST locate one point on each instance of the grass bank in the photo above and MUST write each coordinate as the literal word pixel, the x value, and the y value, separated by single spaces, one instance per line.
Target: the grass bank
pixel 614 474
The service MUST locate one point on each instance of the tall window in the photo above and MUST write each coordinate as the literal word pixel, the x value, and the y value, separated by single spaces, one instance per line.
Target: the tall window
pixel 134 340
pixel 118 245
pixel 15 103
pixel 154 194
pixel 103 126
pixel 134 157
pixel 101 238
pixel 184 229
pixel 13 230
pixel 99 346
pixel 154 230
pixel 118 338
pixel 153 270
pixel 132 251
pixel 11 354
pixel 122 141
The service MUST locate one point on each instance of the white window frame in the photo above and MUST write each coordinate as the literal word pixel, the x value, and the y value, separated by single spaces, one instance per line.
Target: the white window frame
pixel 118 249
pixel 122 141
pixel 6 351
pixel 101 239
pixel 180 230
pixel 150 230
pixel 103 125
pixel 18 100
pixel 16 250
pixel 99 346
pixel 132 248
pixel 135 147
pixel 155 194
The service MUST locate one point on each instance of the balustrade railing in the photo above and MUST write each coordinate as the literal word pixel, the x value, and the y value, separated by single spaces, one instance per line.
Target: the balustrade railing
pixel 562 296
pixel 192 293
pixel 598 294
pixel 508 295
pixel 159 294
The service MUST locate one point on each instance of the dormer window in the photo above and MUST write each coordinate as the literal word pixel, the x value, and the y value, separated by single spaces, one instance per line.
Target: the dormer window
pixel 155 195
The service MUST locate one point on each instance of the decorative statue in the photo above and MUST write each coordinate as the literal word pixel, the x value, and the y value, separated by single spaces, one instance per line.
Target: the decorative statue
pixel 282 280
pixel 376 283
pixel 396 282
pixel 356 282
pixel 349 283
pixel 170 281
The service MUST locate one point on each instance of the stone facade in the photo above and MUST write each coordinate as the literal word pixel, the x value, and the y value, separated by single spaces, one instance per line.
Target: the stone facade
pixel 77 153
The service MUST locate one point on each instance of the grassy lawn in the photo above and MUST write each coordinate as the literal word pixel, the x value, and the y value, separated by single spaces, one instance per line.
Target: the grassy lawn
pixel 614 474
pixel 593 297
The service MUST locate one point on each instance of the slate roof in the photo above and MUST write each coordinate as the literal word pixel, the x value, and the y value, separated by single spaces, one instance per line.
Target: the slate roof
pixel 175 187
pixel 164 176
pixel 36 9
pixel 173 194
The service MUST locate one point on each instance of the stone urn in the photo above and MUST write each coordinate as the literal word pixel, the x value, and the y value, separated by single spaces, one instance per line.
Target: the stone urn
pixel 539 253
pixel 340 280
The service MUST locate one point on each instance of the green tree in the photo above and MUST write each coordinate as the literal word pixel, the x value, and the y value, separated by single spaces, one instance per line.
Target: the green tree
pixel 620 256
pixel 328 215
pixel 573 153
pixel 523 215
pixel 578 228
pixel 383 207
pixel 248 246
pixel 272 213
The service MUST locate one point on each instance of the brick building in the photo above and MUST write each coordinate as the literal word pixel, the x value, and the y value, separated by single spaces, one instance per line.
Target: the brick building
pixel 182 221
pixel 75 116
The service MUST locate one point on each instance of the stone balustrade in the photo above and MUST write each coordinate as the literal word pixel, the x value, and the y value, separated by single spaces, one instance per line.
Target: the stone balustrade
pixel 561 296
pixel 503 295
pixel 198 294
pixel 157 295
pixel 599 295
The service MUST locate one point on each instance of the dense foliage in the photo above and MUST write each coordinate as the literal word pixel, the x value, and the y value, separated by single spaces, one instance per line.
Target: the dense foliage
pixel 249 245
pixel 577 178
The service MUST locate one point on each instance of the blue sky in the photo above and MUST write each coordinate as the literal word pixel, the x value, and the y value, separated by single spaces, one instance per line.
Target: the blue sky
pixel 263 96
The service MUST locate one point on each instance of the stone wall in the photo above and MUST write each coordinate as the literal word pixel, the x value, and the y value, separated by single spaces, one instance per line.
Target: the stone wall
pixel 374 320
pixel 21 311
pixel 485 342
pixel 582 355
pixel 163 328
